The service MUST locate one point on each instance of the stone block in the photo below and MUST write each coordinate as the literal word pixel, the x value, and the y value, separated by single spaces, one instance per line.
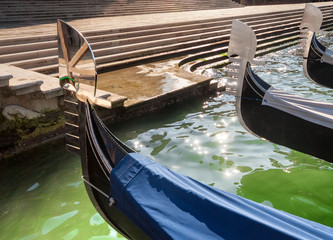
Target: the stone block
pixel 4 79
pixel 22 87
pixel 14 111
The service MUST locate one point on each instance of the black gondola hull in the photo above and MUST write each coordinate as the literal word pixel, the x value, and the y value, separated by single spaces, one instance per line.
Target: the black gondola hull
pixel 94 172
pixel 281 127
pixel 318 71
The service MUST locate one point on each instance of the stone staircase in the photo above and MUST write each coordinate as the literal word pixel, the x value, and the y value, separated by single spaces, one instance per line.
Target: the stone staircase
pixel 267 2
pixel 26 12
pixel 278 33
pixel 124 47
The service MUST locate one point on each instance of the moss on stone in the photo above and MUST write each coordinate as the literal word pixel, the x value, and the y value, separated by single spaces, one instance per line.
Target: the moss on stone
pixel 43 130
pixel 15 131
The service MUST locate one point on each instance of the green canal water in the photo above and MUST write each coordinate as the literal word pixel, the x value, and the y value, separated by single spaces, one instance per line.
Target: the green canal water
pixel 43 197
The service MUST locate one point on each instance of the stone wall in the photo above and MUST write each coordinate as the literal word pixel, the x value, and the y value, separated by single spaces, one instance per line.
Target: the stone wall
pixel 31 108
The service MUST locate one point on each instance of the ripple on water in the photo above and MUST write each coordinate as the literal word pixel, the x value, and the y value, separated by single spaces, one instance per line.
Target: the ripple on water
pixel 96 220
pixel 71 235
pixel 210 145
pixel 55 222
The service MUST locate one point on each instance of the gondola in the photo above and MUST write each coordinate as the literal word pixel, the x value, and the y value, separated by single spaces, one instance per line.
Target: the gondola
pixel 298 123
pixel 145 200
pixel 317 59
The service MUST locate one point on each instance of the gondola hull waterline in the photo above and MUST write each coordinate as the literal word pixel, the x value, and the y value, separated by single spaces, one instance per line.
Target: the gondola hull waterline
pixel 319 71
pixel 279 126
pixel 143 199
pixel 301 124
pixel 317 59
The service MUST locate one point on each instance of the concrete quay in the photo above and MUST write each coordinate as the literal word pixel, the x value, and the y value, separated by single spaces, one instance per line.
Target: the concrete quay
pixel 147 60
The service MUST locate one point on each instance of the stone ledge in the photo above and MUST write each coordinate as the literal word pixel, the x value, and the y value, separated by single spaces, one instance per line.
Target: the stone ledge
pixel 25 81
pixel 4 78
pixel 22 86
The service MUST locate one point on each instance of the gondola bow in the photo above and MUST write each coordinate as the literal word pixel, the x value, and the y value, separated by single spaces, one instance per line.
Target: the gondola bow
pixel 317 59
pixel 298 123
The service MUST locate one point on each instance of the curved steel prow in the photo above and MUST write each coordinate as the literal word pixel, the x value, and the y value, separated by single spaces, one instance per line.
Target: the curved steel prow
pixel 242 49
pixel 77 65
pixel 243 41
pixel 311 23
pixel 312 18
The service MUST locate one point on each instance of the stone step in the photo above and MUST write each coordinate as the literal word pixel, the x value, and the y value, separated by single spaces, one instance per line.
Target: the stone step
pixel 161 28
pixel 51 15
pixel 261 31
pixel 27 46
pixel 24 82
pixel 4 42
pixel 109 34
pixel 4 78
pixel 220 54
pixel 66 7
pixel 23 86
pixel 6 58
pixel 177 45
pixel 12 58
pixel 46 69
pixel 111 61
pixel 201 32
pixel 96 4
pixel 44 60
pixel 35 62
pixel 31 44
pixel 262 49
pixel 266 44
pixel 19 85
pixel 45 11
pixel 121 33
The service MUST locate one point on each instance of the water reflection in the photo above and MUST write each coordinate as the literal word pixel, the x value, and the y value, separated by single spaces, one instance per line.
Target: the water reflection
pixel 42 197
pixel 55 222
pixel 303 191
pixel 209 144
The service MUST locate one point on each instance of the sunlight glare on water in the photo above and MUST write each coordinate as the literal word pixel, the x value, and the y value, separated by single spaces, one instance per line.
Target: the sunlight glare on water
pixel 205 141
pixel 43 197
